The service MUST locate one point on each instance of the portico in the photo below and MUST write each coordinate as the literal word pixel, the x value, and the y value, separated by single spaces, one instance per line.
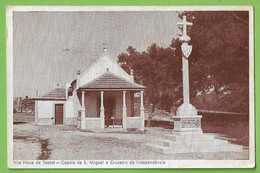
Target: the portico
pixel 109 101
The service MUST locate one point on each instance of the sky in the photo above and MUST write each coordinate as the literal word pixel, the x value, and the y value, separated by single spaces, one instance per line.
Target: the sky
pixel 49 47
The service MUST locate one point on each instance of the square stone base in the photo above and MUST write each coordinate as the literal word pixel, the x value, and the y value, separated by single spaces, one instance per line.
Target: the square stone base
pixel 190 124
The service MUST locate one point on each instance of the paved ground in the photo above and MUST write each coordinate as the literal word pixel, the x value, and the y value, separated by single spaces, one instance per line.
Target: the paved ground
pixel 68 143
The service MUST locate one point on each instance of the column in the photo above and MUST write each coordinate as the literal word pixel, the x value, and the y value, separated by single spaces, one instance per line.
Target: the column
pixel 124 115
pixel 83 110
pixel 185 80
pixel 102 110
pixel 142 120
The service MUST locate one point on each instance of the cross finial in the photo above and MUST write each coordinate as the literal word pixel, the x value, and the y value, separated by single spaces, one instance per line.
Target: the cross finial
pixel 104 46
pixel 184 25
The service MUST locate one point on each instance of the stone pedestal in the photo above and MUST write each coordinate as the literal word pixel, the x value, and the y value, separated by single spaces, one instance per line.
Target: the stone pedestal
pixel 187 119
pixel 187 124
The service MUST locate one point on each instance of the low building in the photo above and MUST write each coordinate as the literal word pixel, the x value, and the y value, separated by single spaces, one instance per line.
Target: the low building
pixel 100 97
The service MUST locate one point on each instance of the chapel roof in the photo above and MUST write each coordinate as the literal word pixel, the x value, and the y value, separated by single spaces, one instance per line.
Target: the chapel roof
pixel 56 94
pixel 111 81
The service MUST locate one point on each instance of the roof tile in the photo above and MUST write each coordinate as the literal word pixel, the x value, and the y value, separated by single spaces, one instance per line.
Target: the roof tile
pixel 57 93
pixel 111 81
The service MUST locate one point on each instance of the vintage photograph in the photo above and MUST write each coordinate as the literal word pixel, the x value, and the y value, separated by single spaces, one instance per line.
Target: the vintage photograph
pixel 130 87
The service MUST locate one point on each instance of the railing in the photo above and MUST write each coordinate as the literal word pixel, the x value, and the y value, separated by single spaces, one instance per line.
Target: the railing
pixel 111 119
pixel 136 112
pixel 220 112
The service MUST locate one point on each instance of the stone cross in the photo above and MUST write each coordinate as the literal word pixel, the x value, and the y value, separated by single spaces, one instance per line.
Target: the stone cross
pixel 104 46
pixel 186 119
pixel 184 25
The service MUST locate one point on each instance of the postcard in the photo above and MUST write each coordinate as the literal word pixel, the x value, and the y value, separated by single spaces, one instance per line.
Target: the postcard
pixel 130 87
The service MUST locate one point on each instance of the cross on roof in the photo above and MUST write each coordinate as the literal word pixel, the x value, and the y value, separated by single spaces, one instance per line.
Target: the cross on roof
pixel 184 25
pixel 104 46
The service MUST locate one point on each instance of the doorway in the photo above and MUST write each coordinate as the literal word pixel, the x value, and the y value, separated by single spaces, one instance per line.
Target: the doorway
pixel 58 114
pixel 111 118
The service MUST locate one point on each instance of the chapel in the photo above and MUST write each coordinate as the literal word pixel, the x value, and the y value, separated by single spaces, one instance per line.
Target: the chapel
pixel 103 96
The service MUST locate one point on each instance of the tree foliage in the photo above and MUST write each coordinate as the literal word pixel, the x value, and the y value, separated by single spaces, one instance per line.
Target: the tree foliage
pixel 218 64
pixel 220 57
pixel 159 69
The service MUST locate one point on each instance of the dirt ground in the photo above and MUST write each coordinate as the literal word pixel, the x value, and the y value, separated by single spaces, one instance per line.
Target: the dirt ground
pixel 69 143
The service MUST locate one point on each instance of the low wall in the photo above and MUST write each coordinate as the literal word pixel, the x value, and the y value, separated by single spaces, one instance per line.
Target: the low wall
pixel 92 123
pixel 133 122
pixel 71 121
pixel 45 121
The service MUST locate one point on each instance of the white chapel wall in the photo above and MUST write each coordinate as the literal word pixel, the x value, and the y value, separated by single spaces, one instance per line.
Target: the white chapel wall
pixel 46 112
pixel 76 103
pixel 100 68
pixel 69 109
pixel 45 109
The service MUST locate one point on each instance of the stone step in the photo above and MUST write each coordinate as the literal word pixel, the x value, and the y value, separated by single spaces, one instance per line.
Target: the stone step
pixel 214 149
pixel 164 142
pixel 210 142
pixel 165 146
pixel 166 150
pixel 194 143
pixel 157 148
pixel 235 147
pixel 209 149
pixel 190 137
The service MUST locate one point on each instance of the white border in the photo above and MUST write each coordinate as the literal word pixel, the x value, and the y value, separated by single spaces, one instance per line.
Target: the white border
pixel 169 163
